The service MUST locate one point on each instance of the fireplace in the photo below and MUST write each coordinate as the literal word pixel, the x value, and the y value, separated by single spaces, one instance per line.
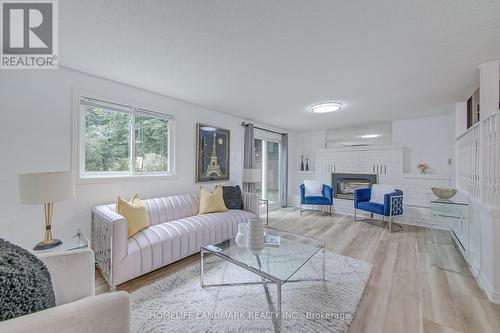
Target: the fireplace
pixel 344 184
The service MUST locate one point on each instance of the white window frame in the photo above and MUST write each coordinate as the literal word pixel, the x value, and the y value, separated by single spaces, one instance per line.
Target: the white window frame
pixel 266 137
pixel 106 176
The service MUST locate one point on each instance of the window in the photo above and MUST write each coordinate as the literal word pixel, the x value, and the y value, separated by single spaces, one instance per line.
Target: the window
pixel 120 140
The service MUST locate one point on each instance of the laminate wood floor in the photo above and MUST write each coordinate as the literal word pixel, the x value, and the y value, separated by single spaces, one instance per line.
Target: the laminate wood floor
pixel 406 291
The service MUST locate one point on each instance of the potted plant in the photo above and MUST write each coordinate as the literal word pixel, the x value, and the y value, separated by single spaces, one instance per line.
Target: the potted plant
pixel 422 167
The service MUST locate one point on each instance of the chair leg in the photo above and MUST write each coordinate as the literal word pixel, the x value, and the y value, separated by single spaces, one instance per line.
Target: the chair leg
pixel 355 214
pixel 331 210
pixel 300 208
pixel 390 224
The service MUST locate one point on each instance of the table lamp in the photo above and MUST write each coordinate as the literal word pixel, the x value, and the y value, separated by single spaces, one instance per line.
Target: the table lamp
pixel 252 176
pixel 46 188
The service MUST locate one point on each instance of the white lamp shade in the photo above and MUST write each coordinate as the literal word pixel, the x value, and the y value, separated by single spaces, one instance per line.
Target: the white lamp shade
pixel 37 188
pixel 252 175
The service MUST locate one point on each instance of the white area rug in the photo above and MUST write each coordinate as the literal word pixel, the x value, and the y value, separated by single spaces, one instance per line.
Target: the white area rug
pixel 177 303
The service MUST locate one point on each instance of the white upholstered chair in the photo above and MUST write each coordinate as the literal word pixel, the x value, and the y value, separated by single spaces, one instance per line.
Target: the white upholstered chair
pixel 77 308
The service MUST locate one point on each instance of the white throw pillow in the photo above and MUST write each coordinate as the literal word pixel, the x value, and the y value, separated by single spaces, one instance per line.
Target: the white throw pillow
pixel 379 191
pixel 314 188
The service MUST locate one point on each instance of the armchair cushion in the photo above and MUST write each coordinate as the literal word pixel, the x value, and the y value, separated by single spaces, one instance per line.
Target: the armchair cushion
pixel 379 191
pixel 313 188
pixel 371 207
pixel 25 283
pixel 316 201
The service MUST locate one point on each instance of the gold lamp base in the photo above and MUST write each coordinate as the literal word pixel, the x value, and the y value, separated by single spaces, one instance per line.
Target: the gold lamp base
pixel 45 246
pixel 48 242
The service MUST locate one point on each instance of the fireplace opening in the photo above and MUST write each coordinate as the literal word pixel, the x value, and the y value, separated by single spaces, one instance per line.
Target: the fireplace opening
pixel 344 184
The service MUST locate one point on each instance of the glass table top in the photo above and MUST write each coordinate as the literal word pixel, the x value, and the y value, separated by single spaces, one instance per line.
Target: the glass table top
pixel 76 242
pixel 279 261
pixel 450 202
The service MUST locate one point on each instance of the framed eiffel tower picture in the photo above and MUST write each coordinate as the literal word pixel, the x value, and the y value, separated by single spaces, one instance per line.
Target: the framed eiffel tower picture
pixel 212 153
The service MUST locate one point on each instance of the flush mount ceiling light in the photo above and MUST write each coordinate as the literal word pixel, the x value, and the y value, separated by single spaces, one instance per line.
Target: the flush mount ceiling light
pixel 326 107
pixel 370 136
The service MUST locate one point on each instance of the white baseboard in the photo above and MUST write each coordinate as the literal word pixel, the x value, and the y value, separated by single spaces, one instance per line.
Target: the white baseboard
pixel 493 296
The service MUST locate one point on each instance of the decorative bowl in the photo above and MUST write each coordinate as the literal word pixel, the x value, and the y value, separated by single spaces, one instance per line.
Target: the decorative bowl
pixel 444 193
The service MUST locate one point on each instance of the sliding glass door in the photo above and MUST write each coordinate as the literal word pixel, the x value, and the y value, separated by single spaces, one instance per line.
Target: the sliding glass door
pixel 268 159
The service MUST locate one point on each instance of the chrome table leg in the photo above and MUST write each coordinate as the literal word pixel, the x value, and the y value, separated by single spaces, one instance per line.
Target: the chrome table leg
pixel 201 268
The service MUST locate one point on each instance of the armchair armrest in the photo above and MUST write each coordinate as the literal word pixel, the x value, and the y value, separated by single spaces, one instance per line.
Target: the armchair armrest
pixel 393 199
pixel 72 274
pixel 328 193
pixel 361 195
pixel 251 202
pixel 302 194
pixel 108 313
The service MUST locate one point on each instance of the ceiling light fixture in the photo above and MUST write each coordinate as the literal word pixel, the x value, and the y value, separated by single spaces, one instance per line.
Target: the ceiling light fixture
pixel 326 107
pixel 370 136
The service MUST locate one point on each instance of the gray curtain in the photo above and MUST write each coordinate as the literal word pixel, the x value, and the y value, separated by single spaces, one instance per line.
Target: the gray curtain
pixel 284 170
pixel 248 154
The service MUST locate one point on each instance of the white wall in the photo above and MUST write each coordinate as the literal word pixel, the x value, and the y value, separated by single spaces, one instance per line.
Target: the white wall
pixel 36 135
pixel 427 140
pixel 305 143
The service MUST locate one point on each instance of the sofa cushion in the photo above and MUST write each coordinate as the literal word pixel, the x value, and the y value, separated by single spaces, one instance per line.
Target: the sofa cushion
pixel 232 197
pixel 371 207
pixel 25 283
pixel 211 202
pixel 161 244
pixel 135 213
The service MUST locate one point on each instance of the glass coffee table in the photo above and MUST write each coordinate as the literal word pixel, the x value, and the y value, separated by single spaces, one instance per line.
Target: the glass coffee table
pixel 274 264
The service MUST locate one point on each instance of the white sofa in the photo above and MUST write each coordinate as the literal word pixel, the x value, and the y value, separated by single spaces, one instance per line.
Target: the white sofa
pixel 77 309
pixel 175 232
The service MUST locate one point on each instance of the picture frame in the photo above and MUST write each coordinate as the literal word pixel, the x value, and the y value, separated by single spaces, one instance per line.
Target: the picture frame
pixel 213 153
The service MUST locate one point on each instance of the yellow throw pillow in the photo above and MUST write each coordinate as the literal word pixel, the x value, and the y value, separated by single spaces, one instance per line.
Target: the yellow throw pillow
pixel 135 213
pixel 211 202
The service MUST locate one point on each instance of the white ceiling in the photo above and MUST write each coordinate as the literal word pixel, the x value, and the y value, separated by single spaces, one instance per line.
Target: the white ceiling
pixel 268 60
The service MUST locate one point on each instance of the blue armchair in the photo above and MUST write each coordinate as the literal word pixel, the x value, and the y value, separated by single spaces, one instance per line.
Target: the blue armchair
pixel 393 204
pixel 325 200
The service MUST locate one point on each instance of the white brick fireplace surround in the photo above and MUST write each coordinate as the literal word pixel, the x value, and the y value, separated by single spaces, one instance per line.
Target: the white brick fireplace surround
pixel 387 161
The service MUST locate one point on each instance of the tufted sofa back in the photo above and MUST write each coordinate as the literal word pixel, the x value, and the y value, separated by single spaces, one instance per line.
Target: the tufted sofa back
pixel 161 210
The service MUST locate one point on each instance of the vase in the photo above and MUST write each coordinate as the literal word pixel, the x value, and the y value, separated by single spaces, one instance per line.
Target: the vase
pixel 307 164
pixel 301 163
pixel 241 236
pixel 255 234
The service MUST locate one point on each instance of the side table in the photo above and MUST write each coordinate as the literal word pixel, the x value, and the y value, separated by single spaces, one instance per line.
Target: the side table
pixel 78 241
